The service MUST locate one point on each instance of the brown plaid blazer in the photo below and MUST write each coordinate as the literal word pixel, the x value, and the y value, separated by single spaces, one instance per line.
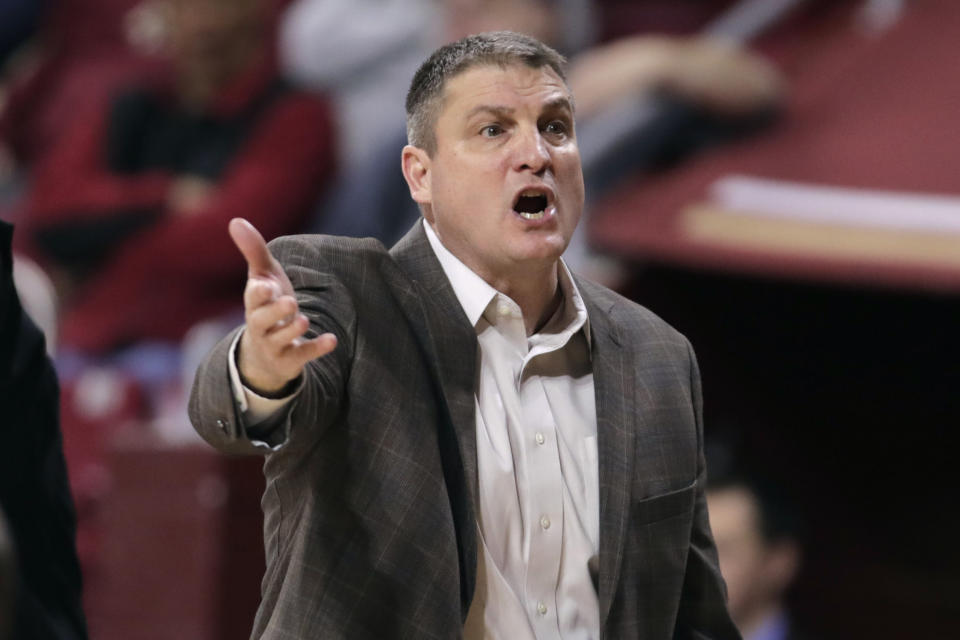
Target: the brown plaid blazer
pixel 369 507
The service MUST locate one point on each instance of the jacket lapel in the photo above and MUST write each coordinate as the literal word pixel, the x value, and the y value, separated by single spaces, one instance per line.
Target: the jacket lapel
pixel 614 384
pixel 450 346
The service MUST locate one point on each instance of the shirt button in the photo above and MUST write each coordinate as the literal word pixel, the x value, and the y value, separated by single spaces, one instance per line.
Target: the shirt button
pixel 503 309
pixel 540 439
pixel 545 522
pixel 541 608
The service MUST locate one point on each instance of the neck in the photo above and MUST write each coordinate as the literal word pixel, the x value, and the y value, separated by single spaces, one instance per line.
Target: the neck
pixel 534 286
pixel 538 294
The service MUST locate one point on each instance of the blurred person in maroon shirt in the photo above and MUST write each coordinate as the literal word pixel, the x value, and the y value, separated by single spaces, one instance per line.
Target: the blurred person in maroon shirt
pixel 59 58
pixel 126 211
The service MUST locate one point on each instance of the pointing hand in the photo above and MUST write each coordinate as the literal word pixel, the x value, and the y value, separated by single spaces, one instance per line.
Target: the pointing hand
pixel 272 350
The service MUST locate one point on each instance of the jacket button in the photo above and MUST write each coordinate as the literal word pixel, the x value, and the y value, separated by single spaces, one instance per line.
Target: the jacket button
pixel 223 424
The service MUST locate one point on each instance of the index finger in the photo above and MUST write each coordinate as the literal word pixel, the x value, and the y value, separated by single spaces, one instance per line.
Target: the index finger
pixel 252 245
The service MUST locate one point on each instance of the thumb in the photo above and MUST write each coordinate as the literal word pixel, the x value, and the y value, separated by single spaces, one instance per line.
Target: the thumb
pixel 253 247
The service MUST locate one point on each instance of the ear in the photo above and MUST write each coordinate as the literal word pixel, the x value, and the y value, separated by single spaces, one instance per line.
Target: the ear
pixel 416 171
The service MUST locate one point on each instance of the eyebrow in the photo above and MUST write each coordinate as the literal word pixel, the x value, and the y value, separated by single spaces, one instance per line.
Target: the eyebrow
pixel 556 104
pixel 495 110
pixel 559 104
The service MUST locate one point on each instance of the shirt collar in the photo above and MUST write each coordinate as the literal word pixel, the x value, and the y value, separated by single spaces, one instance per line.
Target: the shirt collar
pixel 475 294
pixel 472 291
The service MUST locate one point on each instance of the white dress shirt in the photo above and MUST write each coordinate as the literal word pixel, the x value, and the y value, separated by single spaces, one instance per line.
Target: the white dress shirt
pixel 537 465
pixel 539 512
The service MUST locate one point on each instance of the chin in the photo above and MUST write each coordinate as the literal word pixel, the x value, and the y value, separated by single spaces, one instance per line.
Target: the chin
pixel 545 249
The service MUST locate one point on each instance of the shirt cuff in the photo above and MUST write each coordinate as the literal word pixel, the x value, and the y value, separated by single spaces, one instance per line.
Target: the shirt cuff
pixel 254 407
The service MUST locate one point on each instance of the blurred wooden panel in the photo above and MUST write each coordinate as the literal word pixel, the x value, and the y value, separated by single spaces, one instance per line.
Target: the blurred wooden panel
pixel 182 546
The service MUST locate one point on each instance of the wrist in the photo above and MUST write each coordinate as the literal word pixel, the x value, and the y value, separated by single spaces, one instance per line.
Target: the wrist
pixel 269 389
pixel 282 392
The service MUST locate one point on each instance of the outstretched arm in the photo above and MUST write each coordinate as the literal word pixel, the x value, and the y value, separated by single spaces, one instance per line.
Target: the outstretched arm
pixel 270 355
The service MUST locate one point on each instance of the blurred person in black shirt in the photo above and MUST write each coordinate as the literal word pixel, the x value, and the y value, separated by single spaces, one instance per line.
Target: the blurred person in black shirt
pixel 34 495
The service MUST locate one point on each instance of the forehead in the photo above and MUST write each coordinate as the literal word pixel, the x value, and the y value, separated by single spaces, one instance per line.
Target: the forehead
pixel 506 86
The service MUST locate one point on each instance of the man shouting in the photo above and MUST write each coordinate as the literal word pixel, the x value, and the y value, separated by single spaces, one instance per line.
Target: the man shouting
pixel 462 438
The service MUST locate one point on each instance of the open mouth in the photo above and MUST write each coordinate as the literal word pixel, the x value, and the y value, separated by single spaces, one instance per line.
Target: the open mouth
pixel 531 205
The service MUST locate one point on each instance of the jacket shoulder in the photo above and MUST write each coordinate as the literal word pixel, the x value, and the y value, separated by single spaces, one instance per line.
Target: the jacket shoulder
pixel 635 321
pixel 326 252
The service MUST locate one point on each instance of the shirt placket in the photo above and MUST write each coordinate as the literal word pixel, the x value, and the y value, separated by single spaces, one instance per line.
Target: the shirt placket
pixel 544 505
pixel 544 499
pixel 541 501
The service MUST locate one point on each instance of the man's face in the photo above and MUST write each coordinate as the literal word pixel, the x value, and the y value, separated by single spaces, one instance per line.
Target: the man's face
pixel 503 188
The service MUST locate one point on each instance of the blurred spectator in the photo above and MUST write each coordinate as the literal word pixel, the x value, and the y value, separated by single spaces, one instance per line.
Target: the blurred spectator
pixel 34 494
pixel 756 536
pixel 127 212
pixel 77 52
pixel 717 75
pixel 363 52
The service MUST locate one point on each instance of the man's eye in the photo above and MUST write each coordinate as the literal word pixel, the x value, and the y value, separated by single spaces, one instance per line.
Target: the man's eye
pixel 491 130
pixel 557 127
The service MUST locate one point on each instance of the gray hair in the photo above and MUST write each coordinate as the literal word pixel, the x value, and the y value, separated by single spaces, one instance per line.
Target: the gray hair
pixel 494 48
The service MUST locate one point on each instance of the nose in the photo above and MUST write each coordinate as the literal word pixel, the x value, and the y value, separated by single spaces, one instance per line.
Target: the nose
pixel 531 152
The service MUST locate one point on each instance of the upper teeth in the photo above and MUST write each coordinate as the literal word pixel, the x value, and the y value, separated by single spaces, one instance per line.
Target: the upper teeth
pixel 530 193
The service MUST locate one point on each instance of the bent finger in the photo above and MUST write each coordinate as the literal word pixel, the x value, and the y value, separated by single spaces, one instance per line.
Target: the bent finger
pixel 303 350
pixel 258 292
pixel 271 316
pixel 286 334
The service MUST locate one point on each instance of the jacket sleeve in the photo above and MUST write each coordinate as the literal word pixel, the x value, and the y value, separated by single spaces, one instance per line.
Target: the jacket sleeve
pixel 703 610
pixel 214 410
